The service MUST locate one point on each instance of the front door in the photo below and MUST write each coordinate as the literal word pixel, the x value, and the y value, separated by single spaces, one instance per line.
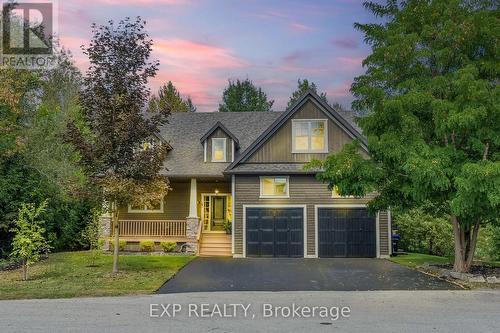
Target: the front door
pixel 215 212
pixel 219 209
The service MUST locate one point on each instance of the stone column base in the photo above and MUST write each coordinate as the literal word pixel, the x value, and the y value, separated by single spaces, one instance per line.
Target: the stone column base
pixel 192 224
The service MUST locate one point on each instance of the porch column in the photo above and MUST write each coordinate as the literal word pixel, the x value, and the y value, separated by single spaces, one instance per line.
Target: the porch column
pixel 192 221
pixel 193 196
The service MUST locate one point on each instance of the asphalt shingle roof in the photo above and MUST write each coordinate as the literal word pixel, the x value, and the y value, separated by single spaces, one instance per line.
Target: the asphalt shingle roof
pixel 185 129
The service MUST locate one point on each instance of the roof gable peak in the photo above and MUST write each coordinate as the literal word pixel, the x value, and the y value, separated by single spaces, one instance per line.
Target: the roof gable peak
pixel 218 125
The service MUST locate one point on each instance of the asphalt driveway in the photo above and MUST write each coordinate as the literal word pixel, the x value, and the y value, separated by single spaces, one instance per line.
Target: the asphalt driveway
pixel 277 274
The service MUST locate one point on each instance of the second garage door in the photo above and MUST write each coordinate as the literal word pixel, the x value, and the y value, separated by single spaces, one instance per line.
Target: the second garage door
pixel 275 232
pixel 346 232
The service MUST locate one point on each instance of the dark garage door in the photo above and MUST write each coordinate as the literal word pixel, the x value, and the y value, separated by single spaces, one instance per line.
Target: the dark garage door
pixel 275 232
pixel 346 232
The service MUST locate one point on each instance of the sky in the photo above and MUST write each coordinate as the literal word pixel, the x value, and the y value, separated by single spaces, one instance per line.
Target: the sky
pixel 202 43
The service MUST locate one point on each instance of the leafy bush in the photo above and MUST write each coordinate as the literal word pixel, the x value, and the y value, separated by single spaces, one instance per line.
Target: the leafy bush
pixel 421 232
pixel 488 243
pixel 121 244
pixel 147 246
pixel 168 246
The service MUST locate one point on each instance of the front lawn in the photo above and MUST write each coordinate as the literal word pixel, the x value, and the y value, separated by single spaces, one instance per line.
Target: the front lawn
pixel 418 259
pixel 68 274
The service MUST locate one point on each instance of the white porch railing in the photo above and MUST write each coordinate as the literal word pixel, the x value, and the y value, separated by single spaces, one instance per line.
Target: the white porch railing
pixel 152 228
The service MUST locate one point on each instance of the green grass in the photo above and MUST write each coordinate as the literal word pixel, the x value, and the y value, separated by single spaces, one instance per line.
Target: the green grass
pixel 418 259
pixel 68 274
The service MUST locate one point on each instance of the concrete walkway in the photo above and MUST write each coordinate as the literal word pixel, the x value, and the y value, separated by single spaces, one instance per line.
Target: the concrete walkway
pixel 370 311
pixel 279 274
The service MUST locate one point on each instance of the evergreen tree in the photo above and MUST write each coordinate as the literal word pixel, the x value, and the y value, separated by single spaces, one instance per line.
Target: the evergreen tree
pixel 242 96
pixel 302 87
pixel 169 99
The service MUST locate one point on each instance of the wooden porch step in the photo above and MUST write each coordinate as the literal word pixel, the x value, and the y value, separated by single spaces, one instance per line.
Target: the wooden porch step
pixel 215 245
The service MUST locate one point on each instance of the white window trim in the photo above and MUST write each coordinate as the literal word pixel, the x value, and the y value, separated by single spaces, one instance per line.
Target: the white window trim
pixel 146 210
pixel 309 151
pixel 269 196
pixel 304 207
pixel 377 225
pixel 205 151
pixel 225 150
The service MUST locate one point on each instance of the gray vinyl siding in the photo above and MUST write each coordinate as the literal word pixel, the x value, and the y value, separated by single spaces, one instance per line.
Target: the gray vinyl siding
pixel 303 190
pixel 218 133
pixel 176 203
pixel 278 148
pixel 384 233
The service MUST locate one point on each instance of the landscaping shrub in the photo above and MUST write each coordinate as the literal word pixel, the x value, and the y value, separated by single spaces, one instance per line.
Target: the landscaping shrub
pixel 147 246
pixel 121 244
pixel 488 243
pixel 421 232
pixel 168 246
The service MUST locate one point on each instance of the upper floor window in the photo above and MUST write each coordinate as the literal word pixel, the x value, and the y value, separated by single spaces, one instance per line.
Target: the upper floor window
pixel 309 136
pixel 154 207
pixel 274 187
pixel 219 150
pixel 335 194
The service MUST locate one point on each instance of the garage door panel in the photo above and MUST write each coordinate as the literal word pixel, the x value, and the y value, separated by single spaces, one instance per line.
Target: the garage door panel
pixel 346 232
pixel 280 232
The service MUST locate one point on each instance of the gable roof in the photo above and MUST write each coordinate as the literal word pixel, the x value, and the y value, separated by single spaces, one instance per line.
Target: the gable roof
pixel 225 130
pixel 348 126
pixel 183 132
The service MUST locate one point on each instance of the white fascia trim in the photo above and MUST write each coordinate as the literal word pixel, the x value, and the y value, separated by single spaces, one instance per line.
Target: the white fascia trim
pixel 232 151
pixel 304 208
pixel 295 151
pixel 377 234
pixel 205 151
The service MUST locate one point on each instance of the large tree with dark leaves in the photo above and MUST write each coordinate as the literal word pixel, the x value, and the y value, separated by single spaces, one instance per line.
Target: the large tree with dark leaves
pixel 431 97
pixel 114 96
pixel 242 96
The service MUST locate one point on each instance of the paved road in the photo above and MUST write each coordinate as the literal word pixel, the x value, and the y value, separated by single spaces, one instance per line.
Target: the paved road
pixel 370 311
pixel 282 274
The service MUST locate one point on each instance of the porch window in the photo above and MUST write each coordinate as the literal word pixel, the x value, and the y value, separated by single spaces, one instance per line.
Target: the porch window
pixel 153 207
pixel 218 149
pixel 274 187
pixel 309 136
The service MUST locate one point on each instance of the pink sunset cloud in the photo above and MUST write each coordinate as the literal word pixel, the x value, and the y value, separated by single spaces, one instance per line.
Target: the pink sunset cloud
pixel 341 90
pixel 349 63
pixel 301 27
pixel 193 55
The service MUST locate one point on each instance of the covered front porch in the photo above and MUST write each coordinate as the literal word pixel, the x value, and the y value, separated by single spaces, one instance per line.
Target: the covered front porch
pixel 196 212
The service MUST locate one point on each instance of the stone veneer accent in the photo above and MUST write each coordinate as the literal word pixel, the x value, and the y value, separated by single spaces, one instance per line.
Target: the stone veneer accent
pixel 191 233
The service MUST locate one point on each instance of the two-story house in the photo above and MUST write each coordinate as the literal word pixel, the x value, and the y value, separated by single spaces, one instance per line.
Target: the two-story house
pixel 248 168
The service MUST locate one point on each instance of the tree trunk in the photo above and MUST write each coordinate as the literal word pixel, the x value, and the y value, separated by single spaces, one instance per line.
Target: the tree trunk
pixel 116 230
pixel 25 270
pixel 465 244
